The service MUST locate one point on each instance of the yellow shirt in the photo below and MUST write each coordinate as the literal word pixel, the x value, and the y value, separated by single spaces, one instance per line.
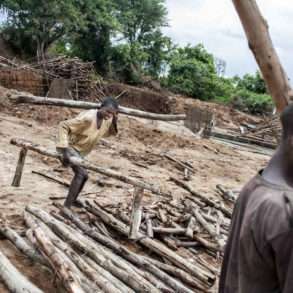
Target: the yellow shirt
pixel 81 133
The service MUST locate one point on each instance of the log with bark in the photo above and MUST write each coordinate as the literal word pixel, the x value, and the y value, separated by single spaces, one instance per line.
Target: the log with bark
pixel 129 255
pixel 136 213
pixel 22 245
pixel 204 199
pixel 21 98
pixel 13 279
pixel 96 252
pixel 85 164
pixel 71 281
pixel 153 245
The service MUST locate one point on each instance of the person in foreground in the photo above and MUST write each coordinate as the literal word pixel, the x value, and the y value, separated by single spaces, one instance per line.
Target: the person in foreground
pixel 78 136
pixel 259 253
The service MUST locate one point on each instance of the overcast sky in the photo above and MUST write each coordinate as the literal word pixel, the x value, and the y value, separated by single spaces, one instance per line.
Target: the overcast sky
pixel 216 24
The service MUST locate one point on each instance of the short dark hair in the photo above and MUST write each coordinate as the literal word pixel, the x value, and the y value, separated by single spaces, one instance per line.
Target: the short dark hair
pixel 287 121
pixel 110 102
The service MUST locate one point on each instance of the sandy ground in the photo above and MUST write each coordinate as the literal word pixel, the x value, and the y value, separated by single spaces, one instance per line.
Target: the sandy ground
pixel 136 151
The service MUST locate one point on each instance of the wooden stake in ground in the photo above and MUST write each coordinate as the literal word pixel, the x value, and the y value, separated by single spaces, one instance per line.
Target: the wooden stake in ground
pixel 19 167
pixel 260 43
pixel 136 213
pixel 13 279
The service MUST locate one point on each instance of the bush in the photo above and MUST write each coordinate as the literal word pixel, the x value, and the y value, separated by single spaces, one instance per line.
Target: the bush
pixel 251 102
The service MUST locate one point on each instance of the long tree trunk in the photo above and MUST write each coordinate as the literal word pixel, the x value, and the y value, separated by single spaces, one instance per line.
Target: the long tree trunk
pixel 260 43
pixel 13 279
pixel 23 98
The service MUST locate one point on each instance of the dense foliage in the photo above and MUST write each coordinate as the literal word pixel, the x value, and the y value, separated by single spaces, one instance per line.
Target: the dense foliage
pixel 125 39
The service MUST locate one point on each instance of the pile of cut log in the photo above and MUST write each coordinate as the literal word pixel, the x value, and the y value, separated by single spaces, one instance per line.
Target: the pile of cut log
pixel 68 68
pixel 176 246
pixel 270 131
pixel 80 73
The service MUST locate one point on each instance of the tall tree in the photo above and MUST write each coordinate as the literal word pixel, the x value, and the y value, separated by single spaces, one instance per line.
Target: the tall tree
pixel 93 40
pixel 34 25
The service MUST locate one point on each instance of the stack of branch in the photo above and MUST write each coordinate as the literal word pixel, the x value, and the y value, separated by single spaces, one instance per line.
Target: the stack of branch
pixel 176 248
pixel 81 73
pixel 269 131
pixel 6 63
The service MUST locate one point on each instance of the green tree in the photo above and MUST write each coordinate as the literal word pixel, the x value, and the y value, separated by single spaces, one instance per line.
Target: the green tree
pixel 254 83
pixel 93 40
pixel 192 72
pixel 140 37
pixel 33 26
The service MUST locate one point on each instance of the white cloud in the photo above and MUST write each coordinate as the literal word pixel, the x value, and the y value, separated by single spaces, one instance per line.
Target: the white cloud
pixel 216 24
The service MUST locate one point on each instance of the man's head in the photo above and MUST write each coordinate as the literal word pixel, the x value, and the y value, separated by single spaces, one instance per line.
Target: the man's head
pixel 109 108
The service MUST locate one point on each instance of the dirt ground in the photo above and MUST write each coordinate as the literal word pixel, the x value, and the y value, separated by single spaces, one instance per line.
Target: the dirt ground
pixel 136 151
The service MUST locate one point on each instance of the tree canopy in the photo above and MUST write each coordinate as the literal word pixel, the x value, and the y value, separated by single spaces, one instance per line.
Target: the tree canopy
pixel 126 41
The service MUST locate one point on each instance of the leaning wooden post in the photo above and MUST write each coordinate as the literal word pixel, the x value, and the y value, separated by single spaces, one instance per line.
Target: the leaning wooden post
pixel 19 167
pixel 260 43
pixel 136 213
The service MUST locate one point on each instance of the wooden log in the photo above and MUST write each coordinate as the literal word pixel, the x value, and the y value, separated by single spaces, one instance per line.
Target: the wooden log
pixel 85 164
pixel 186 174
pixel 179 163
pixel 30 99
pixel 174 271
pixel 207 244
pixel 162 215
pixel 226 194
pixel 96 275
pixel 190 227
pixel 19 167
pixel 116 247
pixel 209 229
pixel 22 245
pixel 244 140
pixel 153 245
pixel 113 281
pixel 97 253
pixel 206 200
pixel 84 267
pixel 52 178
pixel 260 43
pixel 149 225
pixel 180 243
pixel 126 253
pixel 136 213
pixel 69 279
pixel 163 230
pixel 104 277
pixel 13 279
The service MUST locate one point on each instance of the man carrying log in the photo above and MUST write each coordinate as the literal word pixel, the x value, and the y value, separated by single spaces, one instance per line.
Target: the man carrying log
pixel 259 252
pixel 78 136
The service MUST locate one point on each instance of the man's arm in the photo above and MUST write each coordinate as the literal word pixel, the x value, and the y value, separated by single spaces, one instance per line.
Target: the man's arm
pixel 113 129
pixel 282 246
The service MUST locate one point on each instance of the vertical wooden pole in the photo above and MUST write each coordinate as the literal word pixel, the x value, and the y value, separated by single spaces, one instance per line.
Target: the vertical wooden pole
pixel 19 167
pixel 136 213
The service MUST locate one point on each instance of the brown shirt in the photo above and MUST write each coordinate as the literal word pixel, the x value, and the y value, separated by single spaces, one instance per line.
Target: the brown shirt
pixel 259 252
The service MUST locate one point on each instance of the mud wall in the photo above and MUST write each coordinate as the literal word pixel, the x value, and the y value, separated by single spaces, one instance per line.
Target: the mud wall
pixel 143 99
pixel 23 79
